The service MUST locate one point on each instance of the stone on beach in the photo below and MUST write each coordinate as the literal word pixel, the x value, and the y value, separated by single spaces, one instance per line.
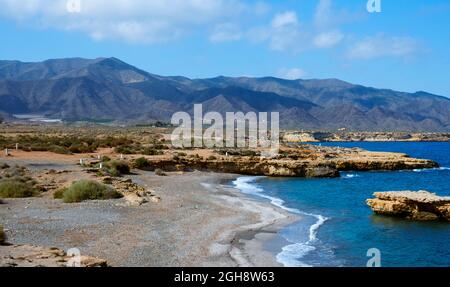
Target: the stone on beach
pixel 37 256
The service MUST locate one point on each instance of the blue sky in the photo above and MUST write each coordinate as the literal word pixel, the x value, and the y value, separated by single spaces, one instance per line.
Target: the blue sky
pixel 405 47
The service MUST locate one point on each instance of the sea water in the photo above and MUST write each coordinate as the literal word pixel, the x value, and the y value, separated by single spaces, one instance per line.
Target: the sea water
pixel 337 228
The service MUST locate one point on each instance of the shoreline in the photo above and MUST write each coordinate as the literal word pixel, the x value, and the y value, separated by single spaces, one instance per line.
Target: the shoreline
pixel 199 222
pixel 248 243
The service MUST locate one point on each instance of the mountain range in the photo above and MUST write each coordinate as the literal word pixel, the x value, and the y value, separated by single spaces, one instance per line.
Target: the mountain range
pixel 111 90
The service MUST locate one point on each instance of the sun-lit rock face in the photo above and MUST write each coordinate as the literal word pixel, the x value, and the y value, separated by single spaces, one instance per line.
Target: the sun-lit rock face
pixel 420 205
pixel 309 162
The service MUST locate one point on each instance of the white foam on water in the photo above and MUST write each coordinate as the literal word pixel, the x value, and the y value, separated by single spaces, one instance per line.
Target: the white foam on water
pixel 431 169
pixel 350 175
pixel 291 254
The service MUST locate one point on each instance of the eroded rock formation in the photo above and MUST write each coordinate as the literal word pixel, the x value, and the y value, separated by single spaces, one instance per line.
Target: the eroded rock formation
pixel 421 205
pixel 36 256
pixel 313 162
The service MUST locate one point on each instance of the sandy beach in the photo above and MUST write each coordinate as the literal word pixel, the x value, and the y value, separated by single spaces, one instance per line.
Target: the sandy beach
pixel 200 221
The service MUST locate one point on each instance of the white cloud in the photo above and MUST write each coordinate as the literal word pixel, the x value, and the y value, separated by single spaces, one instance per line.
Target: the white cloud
pixel 291 73
pixel 281 20
pixel 328 39
pixel 156 21
pixel 284 33
pixel 382 45
pixel 323 14
pixel 226 32
pixel 134 20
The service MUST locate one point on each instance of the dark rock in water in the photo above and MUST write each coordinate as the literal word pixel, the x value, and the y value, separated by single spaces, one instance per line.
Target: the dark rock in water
pixel 318 172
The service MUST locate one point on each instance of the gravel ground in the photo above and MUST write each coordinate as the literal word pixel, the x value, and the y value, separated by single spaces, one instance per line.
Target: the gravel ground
pixel 195 224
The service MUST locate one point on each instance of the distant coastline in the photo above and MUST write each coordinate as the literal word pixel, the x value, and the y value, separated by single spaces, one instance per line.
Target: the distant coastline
pixel 349 136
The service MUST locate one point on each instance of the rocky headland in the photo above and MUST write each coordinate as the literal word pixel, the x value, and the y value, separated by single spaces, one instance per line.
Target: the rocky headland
pixel 347 136
pixel 421 205
pixel 307 161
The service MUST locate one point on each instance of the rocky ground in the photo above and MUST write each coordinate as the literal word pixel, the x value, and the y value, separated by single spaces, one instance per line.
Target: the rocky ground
pixel 186 218
pixel 37 256
pixel 172 220
pixel 304 161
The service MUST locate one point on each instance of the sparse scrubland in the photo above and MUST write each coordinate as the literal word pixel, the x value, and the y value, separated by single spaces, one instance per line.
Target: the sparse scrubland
pixel 16 183
pixel 78 140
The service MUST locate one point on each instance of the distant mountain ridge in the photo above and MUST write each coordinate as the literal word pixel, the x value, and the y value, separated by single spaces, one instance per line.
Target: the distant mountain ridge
pixel 110 89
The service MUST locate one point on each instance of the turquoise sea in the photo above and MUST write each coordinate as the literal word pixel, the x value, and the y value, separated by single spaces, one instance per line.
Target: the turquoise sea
pixel 338 228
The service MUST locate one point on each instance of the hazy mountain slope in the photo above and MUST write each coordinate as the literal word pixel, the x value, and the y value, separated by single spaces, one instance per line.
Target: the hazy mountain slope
pixel 107 88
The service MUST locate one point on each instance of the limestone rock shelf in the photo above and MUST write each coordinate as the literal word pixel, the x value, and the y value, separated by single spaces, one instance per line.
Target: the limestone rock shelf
pixel 420 205
pixel 310 162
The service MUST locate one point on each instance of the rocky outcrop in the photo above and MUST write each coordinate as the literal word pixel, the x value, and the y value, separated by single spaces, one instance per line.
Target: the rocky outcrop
pixel 133 193
pixel 421 205
pixel 347 136
pixel 310 162
pixel 36 256
pixel 248 166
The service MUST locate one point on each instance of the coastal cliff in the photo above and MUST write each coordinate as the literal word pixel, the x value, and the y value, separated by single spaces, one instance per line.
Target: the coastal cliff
pixel 348 136
pixel 308 161
pixel 421 205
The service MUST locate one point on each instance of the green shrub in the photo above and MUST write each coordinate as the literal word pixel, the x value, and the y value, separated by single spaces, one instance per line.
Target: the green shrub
pixel 141 163
pixel 2 235
pixel 17 187
pixel 160 146
pixel 59 149
pixel 118 168
pixel 88 190
pixel 105 158
pixel 151 151
pixel 211 157
pixel 59 193
pixel 124 150
pixel 160 172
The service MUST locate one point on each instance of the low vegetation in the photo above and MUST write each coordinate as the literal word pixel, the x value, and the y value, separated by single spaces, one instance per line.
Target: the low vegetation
pixel 87 190
pixel 86 142
pixel 59 193
pixel 117 168
pixel 160 172
pixel 16 183
pixel 141 163
pixel 105 158
pixel 2 235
